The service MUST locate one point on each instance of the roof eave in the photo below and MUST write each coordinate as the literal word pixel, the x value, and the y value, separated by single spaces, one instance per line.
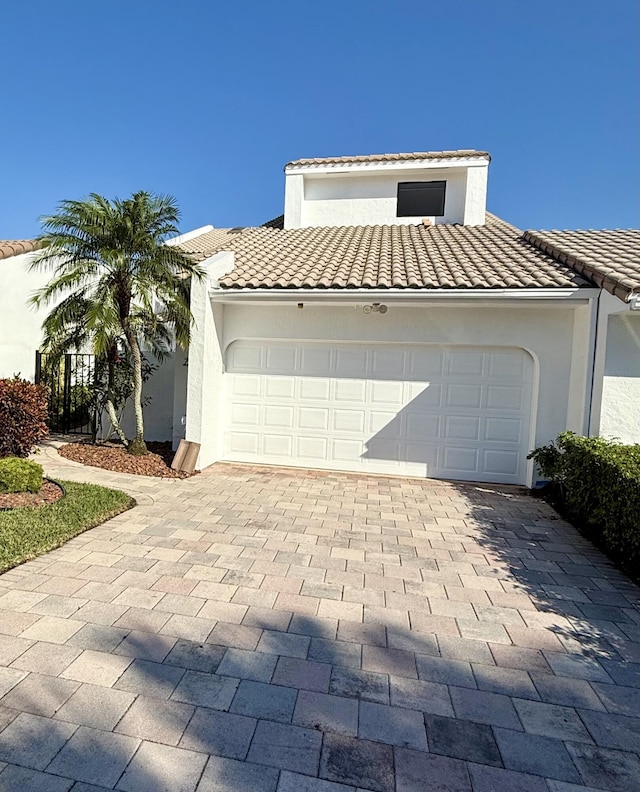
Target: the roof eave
pixel 405 296
pixel 605 280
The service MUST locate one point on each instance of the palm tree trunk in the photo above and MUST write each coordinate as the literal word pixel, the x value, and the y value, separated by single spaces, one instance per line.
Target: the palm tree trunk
pixel 137 446
pixel 111 410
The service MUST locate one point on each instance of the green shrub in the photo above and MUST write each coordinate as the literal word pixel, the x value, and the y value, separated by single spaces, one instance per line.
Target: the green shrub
pixel 598 484
pixel 20 475
pixel 23 416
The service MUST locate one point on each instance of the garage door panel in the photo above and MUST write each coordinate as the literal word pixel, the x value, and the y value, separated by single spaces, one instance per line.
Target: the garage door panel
pixel 313 418
pixel 314 388
pixel 464 396
pixel 460 459
pixel 347 450
pixel 351 362
pixel 280 359
pixel 466 363
pixel 422 426
pixel 246 385
pixel 243 442
pixel 425 362
pixel 315 361
pixel 278 445
pixel 280 387
pixel 387 393
pixel 383 448
pixel 276 415
pixel 312 448
pixel 350 390
pixel 503 430
pixel 246 357
pixel 381 422
pixel 423 454
pixel 424 395
pixel 387 364
pixel 500 462
pixel 416 410
pixel 460 427
pixel 246 414
pixel 348 420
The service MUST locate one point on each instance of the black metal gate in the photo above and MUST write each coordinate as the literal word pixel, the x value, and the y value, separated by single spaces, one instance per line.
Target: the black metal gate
pixel 70 379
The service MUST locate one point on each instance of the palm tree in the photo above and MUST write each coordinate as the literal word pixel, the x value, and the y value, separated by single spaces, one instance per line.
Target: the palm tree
pixel 112 268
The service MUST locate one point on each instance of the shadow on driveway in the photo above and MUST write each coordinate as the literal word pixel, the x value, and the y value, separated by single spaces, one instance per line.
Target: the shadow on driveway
pixel 394 636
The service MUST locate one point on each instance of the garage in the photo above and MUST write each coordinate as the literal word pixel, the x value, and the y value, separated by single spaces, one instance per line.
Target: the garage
pixel 456 412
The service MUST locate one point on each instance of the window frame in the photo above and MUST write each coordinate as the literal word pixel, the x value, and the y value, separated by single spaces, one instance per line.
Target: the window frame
pixel 435 190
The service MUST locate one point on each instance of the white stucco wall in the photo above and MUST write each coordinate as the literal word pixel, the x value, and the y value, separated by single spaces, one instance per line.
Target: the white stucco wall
pixel 553 335
pixel 205 370
pixel 20 324
pixel 620 413
pixel 372 200
pixel 159 409
pixel 369 197
pixel 179 397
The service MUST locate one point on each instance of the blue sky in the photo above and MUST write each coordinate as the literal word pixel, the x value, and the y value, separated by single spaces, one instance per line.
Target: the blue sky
pixel 208 100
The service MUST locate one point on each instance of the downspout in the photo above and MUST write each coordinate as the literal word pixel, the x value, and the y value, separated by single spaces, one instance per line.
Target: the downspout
pixel 593 362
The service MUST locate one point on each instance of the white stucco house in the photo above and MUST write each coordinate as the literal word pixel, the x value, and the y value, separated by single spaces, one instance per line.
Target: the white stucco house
pixel 387 323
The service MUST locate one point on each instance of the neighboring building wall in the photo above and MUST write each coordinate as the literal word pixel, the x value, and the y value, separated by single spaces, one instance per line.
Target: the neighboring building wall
pixel 546 332
pixel 620 414
pixel 159 410
pixel 368 196
pixel 20 324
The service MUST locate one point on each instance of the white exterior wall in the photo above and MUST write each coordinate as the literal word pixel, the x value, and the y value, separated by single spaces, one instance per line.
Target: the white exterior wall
pixel 205 395
pixel 620 413
pixel 20 324
pixel 553 335
pixel 371 200
pixel 368 196
pixel 159 411
pixel 179 398
pixel 475 198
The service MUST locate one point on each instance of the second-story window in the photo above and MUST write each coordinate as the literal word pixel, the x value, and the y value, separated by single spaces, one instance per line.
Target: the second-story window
pixel 421 199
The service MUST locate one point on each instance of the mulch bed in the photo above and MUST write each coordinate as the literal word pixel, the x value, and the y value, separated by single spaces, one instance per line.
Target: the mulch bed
pixel 113 456
pixel 50 492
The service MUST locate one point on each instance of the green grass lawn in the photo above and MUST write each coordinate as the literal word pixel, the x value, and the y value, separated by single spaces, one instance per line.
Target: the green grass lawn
pixel 27 532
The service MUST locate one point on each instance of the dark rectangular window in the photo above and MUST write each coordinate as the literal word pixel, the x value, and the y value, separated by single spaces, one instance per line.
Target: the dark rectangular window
pixel 421 199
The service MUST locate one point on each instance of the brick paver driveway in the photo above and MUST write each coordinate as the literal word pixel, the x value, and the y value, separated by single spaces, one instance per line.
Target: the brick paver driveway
pixel 254 630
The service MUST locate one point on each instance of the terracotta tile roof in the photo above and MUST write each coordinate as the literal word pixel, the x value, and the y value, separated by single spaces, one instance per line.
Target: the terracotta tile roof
pixel 611 259
pixel 411 155
pixel 14 247
pixel 492 256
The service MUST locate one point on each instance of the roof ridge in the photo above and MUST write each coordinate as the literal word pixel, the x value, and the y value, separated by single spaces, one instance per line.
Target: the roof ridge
pixel 268 227
pixel 390 157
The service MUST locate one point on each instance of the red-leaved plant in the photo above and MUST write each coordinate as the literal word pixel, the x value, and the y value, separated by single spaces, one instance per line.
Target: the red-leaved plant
pixel 23 416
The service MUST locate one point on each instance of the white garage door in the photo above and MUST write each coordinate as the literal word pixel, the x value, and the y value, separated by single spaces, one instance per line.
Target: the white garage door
pixel 422 410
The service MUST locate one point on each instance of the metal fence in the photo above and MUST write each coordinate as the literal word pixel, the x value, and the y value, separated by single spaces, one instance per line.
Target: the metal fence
pixel 70 379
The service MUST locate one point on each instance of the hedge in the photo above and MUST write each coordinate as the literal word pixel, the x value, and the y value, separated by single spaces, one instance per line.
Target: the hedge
pixel 23 416
pixel 598 485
